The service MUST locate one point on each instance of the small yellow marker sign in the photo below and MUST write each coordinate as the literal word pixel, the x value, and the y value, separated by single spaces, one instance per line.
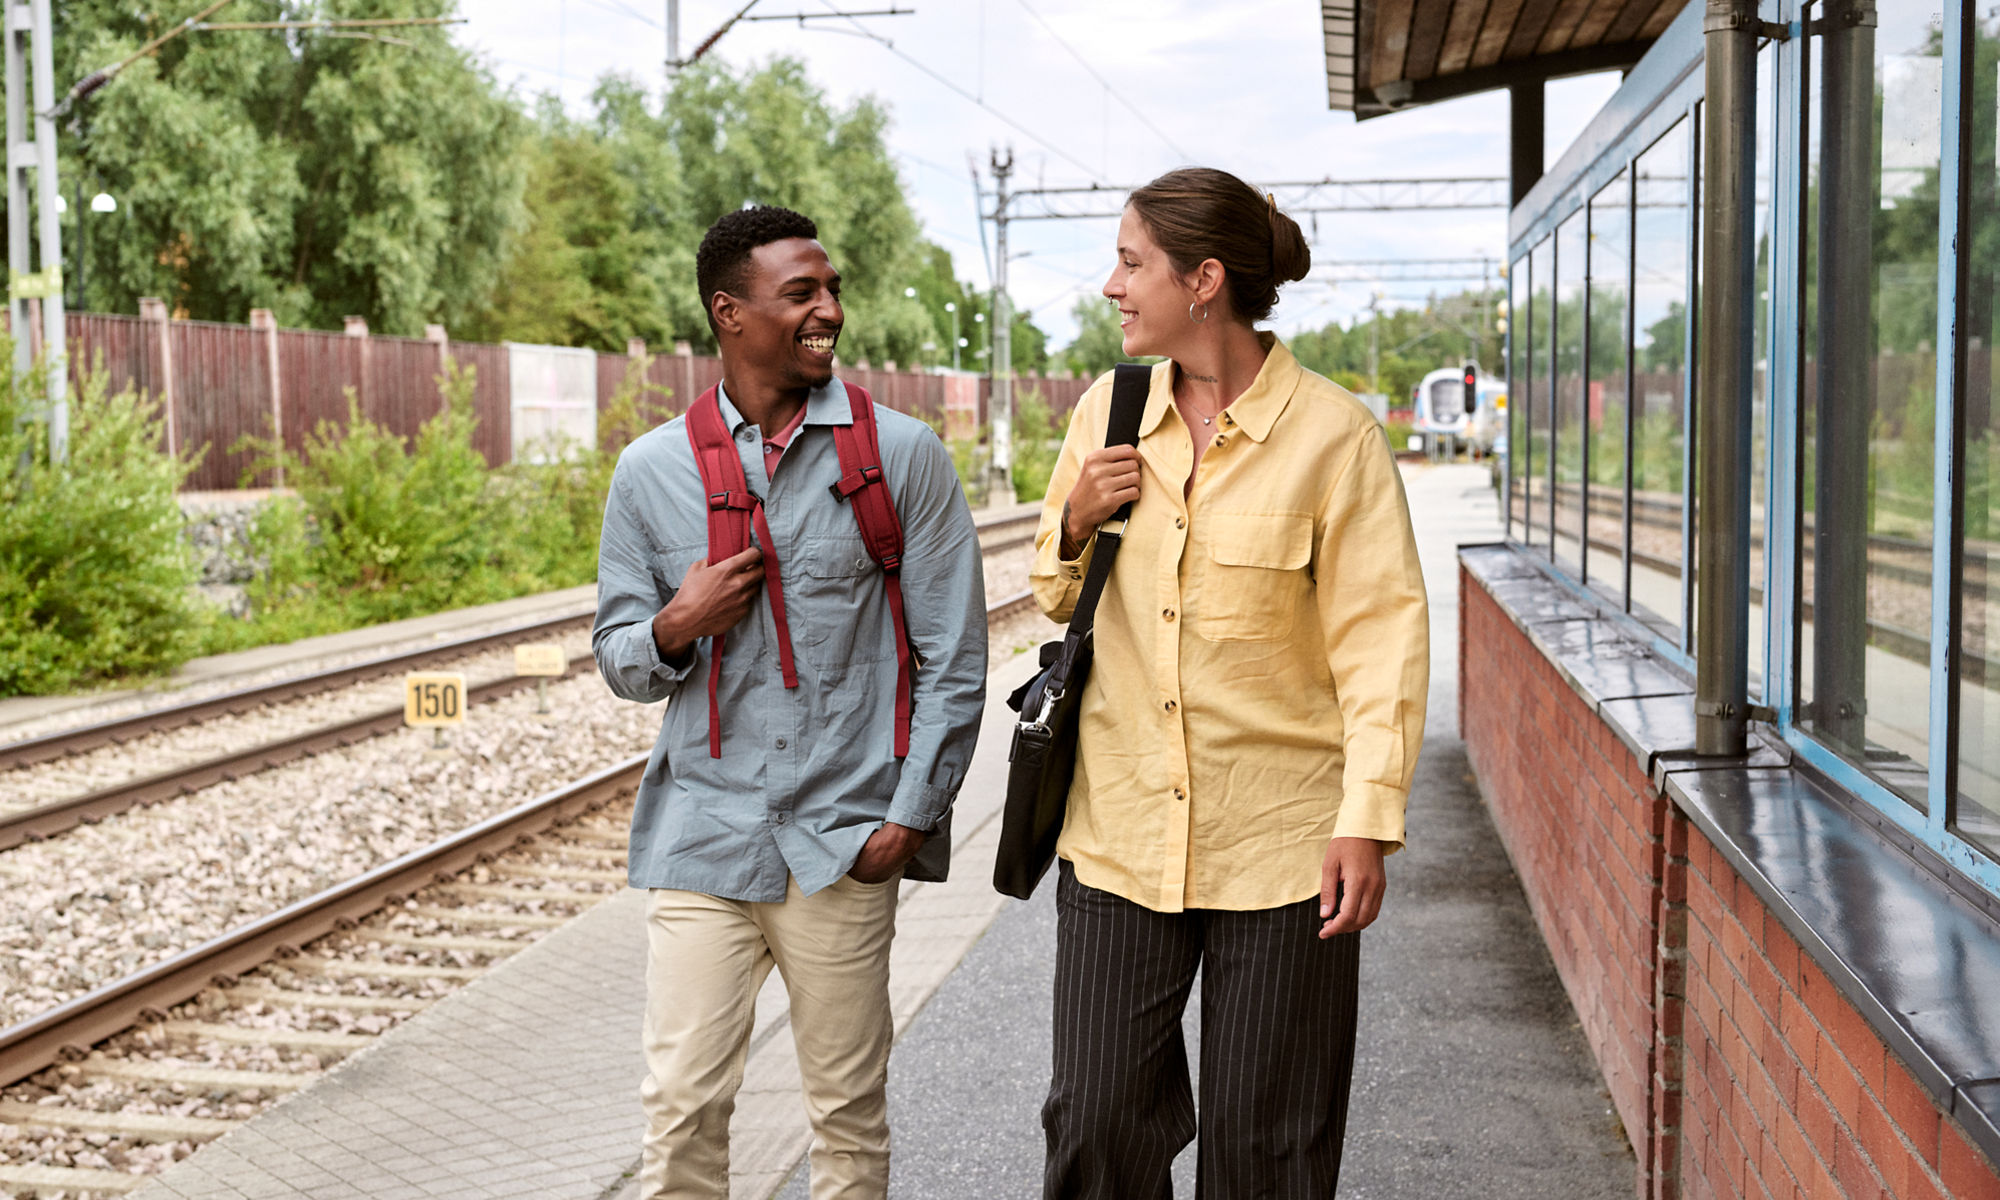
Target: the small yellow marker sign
pixel 540 658
pixel 434 698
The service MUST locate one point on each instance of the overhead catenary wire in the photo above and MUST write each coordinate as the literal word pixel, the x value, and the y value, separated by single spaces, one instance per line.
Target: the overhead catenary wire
pixel 355 27
pixel 1104 83
pixel 103 75
pixel 624 9
pixel 1037 138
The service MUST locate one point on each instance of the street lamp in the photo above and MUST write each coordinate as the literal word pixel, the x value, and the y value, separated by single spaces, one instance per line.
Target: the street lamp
pixel 979 318
pixel 102 202
pixel 952 308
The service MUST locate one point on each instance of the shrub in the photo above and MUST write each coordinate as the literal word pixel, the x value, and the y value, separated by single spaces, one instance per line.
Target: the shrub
pixel 95 579
pixel 1037 444
pixel 384 528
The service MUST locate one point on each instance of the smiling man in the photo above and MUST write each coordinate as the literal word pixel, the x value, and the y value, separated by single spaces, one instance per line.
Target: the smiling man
pixel 782 807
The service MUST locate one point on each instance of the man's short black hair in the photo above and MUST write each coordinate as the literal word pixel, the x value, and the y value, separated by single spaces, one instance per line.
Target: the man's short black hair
pixel 724 256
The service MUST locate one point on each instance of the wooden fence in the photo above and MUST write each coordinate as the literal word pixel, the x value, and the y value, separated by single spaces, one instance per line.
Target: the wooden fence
pixel 220 383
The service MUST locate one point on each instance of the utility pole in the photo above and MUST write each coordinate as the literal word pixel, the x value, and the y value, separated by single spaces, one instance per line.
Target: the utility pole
pixel 29 42
pixel 673 38
pixel 1375 343
pixel 1000 489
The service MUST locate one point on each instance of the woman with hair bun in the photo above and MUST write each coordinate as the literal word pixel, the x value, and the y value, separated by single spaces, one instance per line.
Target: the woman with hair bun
pixel 1249 726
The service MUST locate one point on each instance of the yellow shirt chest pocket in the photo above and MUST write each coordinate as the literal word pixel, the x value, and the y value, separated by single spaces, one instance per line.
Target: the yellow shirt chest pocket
pixel 1253 576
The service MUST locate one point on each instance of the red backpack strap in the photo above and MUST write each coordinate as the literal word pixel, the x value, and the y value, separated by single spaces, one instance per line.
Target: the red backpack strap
pixel 867 493
pixel 733 510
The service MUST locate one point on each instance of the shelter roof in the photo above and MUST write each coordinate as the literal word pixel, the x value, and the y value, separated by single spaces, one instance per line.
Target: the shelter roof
pixel 1385 55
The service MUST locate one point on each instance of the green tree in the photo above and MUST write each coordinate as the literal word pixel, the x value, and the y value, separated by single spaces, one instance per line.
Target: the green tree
pixel 579 274
pixel 1099 344
pixel 315 175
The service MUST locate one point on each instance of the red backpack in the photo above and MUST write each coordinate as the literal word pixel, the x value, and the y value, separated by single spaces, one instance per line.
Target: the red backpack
pixel 733 510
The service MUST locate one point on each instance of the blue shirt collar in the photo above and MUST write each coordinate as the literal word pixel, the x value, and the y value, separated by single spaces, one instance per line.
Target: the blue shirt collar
pixel 824 406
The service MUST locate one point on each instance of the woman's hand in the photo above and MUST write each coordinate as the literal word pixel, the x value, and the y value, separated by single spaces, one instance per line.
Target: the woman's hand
pixel 1109 480
pixel 1352 877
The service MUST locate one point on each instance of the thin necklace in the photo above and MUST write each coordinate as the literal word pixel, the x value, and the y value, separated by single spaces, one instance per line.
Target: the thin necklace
pixel 1187 374
pixel 1207 420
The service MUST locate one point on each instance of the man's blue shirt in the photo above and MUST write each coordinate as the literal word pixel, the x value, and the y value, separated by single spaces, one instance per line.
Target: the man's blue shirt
pixel 806 774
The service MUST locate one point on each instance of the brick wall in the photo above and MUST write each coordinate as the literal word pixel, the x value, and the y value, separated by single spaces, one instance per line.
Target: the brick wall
pixel 1789 1092
pixel 1735 1064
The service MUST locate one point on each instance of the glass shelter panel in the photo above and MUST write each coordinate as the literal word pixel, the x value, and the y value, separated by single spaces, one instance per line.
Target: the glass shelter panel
pixel 1517 393
pixel 1541 304
pixel 1661 225
pixel 1572 291
pixel 1760 373
pixel 1604 398
pixel 1864 638
pixel 1978 808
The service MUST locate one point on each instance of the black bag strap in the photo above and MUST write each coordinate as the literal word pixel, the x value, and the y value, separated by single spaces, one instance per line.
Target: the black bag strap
pixel 1129 387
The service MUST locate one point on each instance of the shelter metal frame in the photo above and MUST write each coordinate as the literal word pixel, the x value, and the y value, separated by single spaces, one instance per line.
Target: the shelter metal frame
pixel 1665 88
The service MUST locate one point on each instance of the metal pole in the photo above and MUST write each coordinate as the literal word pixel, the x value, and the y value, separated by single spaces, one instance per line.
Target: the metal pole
pixel 1525 131
pixel 673 38
pixel 1844 400
pixel 1722 600
pixel 20 261
pixel 55 358
pixel 1000 489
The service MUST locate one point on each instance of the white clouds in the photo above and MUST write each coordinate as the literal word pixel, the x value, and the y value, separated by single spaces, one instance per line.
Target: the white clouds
pixel 1238 85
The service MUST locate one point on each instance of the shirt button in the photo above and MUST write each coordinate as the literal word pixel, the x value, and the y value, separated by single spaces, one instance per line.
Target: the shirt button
pixel 745 436
pixel 781 743
pixel 1179 794
pixel 1167 614
pixel 1221 439
pixel 782 818
pixel 861 564
pixel 1171 706
pixel 1180 522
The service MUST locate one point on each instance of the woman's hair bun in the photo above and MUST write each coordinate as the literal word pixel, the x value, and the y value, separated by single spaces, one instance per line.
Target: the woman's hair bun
pixel 1291 258
pixel 1198 213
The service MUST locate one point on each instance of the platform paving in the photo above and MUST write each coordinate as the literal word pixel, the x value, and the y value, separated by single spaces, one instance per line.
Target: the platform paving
pixel 1472 1076
pixel 525 1083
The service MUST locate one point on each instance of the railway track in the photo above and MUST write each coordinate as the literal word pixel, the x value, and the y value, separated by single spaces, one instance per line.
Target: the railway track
pixel 34 822
pixel 144 1069
pixel 50 747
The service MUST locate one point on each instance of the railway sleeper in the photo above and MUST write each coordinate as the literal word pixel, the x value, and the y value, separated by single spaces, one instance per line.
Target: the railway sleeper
pixel 292 998
pixel 146 1070
pixel 145 1127
pixel 577 853
pixel 521 895
pixel 442 942
pixel 246 1035
pixel 375 968
pixel 70 1181
pixel 475 916
pixel 564 874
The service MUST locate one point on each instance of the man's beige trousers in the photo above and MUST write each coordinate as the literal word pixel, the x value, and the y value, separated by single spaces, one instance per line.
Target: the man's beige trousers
pixel 707 958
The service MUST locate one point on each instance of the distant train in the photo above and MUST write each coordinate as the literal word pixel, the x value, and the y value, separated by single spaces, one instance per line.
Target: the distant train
pixel 1442 416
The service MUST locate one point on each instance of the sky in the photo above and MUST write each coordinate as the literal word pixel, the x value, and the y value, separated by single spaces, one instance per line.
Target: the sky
pixel 1111 92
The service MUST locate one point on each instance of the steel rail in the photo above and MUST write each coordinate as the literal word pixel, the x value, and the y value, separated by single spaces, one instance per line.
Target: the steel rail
pixel 53 746
pixel 74 1026
pixel 71 1028
pixel 57 816
pixel 49 747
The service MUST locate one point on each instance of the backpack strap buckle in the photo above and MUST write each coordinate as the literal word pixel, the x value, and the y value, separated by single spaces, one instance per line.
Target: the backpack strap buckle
pixel 854 481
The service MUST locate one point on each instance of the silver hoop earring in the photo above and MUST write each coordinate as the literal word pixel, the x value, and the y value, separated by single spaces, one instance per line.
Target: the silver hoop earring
pixel 1204 312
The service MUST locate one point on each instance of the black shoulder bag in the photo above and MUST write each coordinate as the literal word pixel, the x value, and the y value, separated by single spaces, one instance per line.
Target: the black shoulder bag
pixel 1043 759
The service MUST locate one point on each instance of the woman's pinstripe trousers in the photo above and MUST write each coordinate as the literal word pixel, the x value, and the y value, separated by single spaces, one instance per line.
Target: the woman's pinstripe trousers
pixel 1277 1049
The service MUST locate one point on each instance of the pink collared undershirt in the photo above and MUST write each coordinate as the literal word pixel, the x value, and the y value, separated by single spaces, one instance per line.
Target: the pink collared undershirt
pixel 774 446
